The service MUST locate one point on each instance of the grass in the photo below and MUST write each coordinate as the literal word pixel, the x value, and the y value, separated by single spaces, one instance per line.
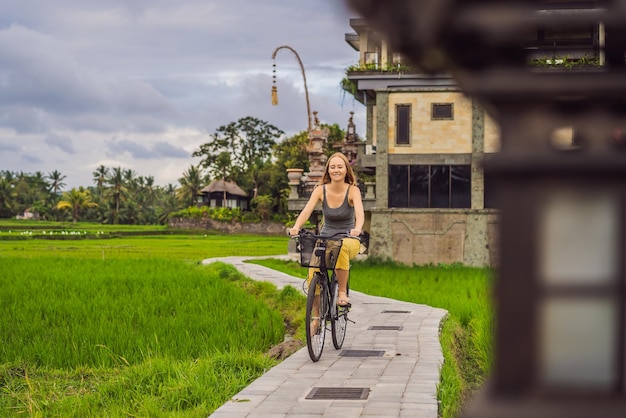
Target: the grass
pixel 134 326
pixel 98 339
pixel 15 227
pixel 125 324
pixel 86 312
pixel 467 332
pixel 183 247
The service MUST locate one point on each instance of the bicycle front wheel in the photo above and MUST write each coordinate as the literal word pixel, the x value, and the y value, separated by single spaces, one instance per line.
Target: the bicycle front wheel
pixel 339 318
pixel 316 307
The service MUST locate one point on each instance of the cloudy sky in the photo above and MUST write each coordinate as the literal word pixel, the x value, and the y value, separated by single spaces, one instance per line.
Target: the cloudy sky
pixel 140 84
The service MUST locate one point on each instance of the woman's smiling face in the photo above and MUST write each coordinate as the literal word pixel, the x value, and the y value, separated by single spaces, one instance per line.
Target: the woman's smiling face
pixel 337 169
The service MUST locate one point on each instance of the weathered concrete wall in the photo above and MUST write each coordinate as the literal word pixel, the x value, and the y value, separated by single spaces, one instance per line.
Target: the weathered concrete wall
pixel 430 136
pixel 380 233
pixel 436 236
pixel 262 228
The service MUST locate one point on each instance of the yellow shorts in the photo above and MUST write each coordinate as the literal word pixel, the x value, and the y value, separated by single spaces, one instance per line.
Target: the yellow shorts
pixel 350 248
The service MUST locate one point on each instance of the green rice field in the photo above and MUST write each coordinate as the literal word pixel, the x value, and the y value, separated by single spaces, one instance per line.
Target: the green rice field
pixel 119 325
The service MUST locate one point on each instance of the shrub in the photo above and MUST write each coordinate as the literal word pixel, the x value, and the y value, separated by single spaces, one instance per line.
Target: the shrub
pixel 262 205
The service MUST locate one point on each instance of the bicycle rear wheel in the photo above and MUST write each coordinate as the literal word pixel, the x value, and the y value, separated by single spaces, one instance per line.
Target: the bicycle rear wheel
pixel 339 318
pixel 316 308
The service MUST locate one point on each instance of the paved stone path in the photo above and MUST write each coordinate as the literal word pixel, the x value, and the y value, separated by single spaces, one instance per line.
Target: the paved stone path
pixel 393 367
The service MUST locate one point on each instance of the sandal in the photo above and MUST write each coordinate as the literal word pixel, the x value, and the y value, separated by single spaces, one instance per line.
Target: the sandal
pixel 343 300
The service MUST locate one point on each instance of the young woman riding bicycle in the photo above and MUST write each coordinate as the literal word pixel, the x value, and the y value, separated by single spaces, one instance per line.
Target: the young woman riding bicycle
pixel 342 210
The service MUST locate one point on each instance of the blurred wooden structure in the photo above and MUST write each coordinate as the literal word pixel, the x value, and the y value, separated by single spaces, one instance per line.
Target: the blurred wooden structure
pixel 561 282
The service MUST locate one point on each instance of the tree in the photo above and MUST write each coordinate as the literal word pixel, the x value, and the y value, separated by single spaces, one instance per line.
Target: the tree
pixel 130 177
pixel 77 200
pixel 100 177
pixel 116 191
pixel 30 190
pixel 239 149
pixel 148 192
pixel 223 166
pixel 263 206
pixel 168 203
pixel 336 136
pixel 56 181
pixel 190 185
pixel 291 152
pixel 7 195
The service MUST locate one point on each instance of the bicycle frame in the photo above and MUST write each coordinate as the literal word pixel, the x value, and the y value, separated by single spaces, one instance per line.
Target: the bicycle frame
pixel 322 293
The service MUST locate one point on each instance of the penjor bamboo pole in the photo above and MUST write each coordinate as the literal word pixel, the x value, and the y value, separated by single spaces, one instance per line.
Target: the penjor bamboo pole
pixel 306 90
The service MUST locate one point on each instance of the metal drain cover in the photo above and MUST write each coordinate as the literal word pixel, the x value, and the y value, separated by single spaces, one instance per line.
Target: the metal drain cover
pixel 395 311
pixel 362 353
pixel 386 327
pixel 339 393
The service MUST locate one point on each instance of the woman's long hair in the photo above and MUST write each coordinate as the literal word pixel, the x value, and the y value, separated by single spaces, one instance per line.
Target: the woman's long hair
pixel 350 177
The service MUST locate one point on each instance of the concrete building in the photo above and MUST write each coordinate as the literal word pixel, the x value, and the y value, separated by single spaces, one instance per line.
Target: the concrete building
pixel 425 141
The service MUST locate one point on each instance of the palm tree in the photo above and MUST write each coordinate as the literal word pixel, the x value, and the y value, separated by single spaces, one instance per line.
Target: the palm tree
pixel 117 191
pixel 149 189
pixel 100 177
pixel 148 199
pixel 7 195
pixel 190 185
pixel 77 200
pixel 56 181
pixel 38 181
pixel 168 203
pixel 130 178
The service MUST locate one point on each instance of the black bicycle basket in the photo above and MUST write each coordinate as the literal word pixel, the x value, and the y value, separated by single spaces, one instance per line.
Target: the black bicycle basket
pixel 312 248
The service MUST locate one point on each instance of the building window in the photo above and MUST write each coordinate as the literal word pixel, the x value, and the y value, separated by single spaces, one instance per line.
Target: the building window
pixel 442 111
pixel 403 124
pixel 429 186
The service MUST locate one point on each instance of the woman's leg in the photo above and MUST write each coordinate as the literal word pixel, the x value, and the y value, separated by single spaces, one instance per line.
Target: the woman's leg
pixel 342 282
pixel 315 313
pixel 349 250
pixel 342 279
pixel 316 302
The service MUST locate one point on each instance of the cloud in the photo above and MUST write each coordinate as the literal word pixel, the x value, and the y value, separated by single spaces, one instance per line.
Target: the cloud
pixel 165 150
pixel 143 83
pixel 33 159
pixel 7 147
pixel 158 150
pixel 42 82
pixel 61 142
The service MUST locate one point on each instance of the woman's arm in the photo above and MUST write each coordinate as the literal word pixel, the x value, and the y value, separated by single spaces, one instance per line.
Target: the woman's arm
pixel 359 213
pixel 304 216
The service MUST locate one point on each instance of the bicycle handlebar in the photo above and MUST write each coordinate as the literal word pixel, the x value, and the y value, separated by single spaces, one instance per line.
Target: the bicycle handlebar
pixel 304 233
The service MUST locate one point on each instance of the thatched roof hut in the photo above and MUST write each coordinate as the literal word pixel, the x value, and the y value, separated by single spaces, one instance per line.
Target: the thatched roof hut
pixel 222 193
pixel 222 186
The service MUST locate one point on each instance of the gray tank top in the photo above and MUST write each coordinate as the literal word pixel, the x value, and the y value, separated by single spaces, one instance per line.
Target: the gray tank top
pixel 337 220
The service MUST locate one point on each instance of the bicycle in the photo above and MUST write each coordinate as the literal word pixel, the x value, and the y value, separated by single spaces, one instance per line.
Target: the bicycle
pixel 321 307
